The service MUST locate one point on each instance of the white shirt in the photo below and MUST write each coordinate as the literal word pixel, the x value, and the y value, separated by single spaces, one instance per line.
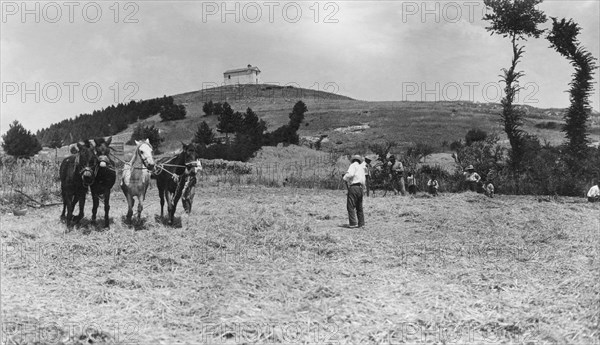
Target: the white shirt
pixel 364 166
pixel 355 174
pixel 594 192
pixel 472 177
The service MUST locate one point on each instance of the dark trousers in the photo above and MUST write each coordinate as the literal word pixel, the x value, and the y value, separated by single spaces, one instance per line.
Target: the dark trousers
pixel 593 199
pixel 412 189
pixel 354 205
pixel 472 186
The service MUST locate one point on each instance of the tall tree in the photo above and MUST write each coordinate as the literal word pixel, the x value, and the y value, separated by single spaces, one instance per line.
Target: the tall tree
pixel 19 142
pixel 229 121
pixel 517 20
pixel 563 38
pixel 297 115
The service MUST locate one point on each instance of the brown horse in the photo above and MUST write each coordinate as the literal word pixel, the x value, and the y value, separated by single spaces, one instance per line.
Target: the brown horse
pixel 105 178
pixel 77 173
pixel 136 177
pixel 173 179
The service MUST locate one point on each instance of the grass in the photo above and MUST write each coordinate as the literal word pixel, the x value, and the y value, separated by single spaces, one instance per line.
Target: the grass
pixel 274 265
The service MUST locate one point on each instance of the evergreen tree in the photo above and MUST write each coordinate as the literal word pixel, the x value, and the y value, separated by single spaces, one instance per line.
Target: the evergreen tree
pixel 297 115
pixel 19 142
pixel 208 108
pixel 147 132
pixel 55 143
pixel 204 135
pixel 563 39
pixel 228 121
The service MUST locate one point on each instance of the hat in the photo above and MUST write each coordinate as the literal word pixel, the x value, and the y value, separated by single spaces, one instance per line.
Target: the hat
pixel 470 167
pixel 356 157
pixel 367 159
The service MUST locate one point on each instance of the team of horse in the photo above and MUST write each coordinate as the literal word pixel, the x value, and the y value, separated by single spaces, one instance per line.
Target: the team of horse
pixel 92 167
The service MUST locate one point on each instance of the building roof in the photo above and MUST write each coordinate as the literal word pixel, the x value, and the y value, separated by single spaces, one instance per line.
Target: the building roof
pixel 245 69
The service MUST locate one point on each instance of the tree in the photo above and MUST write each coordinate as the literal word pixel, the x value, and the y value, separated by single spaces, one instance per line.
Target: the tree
pixel 19 142
pixel 55 143
pixel 218 108
pixel 204 135
pixel 147 132
pixel 208 108
pixel 563 38
pixel 516 19
pixel 229 121
pixel 297 114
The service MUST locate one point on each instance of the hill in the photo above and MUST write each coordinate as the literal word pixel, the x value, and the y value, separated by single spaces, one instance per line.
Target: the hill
pixel 350 124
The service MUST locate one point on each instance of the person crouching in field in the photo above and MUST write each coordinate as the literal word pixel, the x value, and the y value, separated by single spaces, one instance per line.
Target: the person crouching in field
pixel 412 186
pixel 472 178
pixel 355 180
pixel 432 185
pixel 593 194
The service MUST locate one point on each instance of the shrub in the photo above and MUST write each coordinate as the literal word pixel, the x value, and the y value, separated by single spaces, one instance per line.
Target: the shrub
pixel 475 135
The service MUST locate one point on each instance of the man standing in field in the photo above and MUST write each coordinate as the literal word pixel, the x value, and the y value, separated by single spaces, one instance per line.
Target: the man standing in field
pixel 367 166
pixel 355 179
pixel 396 173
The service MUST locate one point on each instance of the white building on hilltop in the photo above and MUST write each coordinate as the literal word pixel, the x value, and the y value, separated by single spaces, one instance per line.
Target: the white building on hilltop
pixel 247 75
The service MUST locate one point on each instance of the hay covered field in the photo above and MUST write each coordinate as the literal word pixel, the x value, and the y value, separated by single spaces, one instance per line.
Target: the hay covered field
pixel 275 265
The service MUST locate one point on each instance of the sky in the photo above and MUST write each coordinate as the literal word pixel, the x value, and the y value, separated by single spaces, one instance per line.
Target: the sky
pixel 62 59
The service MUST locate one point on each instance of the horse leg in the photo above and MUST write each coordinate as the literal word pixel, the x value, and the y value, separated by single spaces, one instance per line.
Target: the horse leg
pixel 140 208
pixel 130 204
pixel 70 203
pixel 161 194
pixel 81 199
pixel 95 202
pixel 169 205
pixel 174 207
pixel 106 206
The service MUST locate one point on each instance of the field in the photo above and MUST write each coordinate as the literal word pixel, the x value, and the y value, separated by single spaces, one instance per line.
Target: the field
pixel 276 265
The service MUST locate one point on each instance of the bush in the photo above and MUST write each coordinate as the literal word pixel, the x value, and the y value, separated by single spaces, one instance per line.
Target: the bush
pixel 456 145
pixel 475 135
pixel 172 112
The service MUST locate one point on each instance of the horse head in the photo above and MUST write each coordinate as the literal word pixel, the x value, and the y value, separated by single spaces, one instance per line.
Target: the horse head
pixel 190 154
pixel 102 148
pixel 144 150
pixel 87 162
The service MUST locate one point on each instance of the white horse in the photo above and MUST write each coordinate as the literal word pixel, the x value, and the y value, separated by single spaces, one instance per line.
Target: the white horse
pixel 136 176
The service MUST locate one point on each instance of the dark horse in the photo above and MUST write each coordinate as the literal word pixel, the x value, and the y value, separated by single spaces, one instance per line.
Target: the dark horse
pixel 171 179
pixel 105 178
pixel 77 173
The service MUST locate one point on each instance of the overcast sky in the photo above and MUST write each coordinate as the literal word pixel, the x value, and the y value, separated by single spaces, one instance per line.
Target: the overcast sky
pixel 83 56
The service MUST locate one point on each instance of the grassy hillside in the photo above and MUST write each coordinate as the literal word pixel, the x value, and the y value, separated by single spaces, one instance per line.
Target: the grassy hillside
pixel 352 125
pixel 329 114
